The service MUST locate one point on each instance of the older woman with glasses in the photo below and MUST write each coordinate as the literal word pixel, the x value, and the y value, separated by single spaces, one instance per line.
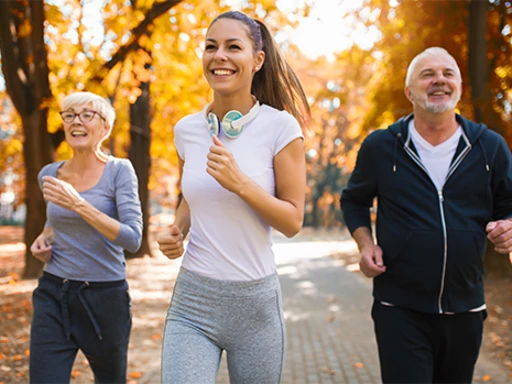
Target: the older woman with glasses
pixel 93 214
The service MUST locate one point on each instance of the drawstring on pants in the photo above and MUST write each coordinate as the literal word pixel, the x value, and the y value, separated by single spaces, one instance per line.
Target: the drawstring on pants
pixel 65 308
pixel 88 310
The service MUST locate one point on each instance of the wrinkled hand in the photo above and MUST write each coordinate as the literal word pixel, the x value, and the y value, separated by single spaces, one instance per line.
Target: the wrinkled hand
pixel 371 263
pixel 41 249
pixel 61 193
pixel 222 166
pixel 171 243
pixel 500 234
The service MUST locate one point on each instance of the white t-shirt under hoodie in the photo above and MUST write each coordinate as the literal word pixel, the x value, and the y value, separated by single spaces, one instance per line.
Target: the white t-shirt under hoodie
pixel 228 240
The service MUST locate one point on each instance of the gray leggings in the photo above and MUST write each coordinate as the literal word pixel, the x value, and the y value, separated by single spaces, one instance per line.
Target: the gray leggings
pixel 207 316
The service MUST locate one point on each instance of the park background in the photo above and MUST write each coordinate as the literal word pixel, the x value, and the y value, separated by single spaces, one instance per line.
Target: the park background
pixel 144 56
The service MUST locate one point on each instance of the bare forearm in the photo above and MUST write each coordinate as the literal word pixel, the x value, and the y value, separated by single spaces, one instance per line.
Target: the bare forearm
pixel 46 235
pixel 47 232
pixel 284 215
pixel 104 224
pixel 363 237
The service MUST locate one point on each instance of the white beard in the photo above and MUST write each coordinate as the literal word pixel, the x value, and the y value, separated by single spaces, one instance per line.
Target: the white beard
pixel 434 107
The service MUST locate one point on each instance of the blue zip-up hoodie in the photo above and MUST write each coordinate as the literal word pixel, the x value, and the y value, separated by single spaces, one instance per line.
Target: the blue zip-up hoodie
pixel 433 241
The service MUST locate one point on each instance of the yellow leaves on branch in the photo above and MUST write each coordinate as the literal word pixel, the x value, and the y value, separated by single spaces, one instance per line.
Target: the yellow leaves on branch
pixel 46 102
pixel 140 59
pixel 503 71
pixel 12 147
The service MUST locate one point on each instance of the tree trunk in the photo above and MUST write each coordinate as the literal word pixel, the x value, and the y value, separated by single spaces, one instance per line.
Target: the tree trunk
pixel 477 56
pixel 38 152
pixel 140 135
pixel 480 72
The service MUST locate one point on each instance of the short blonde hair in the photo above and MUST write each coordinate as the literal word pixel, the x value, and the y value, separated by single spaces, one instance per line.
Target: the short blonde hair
pixel 99 104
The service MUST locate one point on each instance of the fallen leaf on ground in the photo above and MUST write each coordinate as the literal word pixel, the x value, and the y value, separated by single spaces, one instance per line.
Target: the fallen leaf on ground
pixel 486 378
pixel 328 371
pixel 359 365
pixel 75 373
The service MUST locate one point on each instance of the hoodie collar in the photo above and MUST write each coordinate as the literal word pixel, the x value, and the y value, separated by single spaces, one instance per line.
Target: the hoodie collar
pixel 471 130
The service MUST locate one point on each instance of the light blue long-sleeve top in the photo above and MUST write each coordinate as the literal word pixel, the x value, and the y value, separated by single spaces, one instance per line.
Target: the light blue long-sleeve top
pixel 79 251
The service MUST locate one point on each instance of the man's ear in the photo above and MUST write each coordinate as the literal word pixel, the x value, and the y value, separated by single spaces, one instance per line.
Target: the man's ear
pixel 408 94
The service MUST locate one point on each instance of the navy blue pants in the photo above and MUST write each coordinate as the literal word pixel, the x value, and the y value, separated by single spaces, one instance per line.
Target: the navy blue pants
pixel 417 347
pixel 94 317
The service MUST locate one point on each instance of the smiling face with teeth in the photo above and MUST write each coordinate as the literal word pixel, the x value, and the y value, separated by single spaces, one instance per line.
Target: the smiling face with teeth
pixel 229 59
pixel 435 84
pixel 85 135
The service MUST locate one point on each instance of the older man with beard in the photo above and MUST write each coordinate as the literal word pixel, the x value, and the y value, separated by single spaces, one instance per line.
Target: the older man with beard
pixel 443 185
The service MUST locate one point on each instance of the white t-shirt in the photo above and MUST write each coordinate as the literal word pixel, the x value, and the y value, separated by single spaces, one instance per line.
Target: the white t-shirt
pixel 436 159
pixel 228 240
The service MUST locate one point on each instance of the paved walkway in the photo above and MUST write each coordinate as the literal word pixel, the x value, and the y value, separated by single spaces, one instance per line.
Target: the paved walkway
pixel 327 310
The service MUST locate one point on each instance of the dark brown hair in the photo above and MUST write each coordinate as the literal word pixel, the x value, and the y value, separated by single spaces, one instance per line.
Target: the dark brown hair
pixel 275 84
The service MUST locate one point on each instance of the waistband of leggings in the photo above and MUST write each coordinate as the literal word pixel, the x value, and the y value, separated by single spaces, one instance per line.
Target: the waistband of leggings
pixel 92 284
pixel 228 287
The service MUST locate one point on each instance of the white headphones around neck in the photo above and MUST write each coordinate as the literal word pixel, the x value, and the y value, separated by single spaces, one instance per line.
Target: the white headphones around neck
pixel 232 123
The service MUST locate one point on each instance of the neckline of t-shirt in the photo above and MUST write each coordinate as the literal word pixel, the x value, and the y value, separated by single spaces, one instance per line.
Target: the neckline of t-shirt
pixel 434 148
pixel 100 181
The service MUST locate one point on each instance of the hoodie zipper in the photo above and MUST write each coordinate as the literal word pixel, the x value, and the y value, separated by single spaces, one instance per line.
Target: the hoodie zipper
pixel 452 169
pixel 445 250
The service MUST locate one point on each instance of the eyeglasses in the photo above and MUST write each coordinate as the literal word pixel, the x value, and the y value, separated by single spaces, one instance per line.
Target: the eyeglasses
pixel 85 116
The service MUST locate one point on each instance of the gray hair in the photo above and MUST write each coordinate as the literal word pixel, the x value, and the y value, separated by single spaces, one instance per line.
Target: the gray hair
pixel 99 104
pixel 427 52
